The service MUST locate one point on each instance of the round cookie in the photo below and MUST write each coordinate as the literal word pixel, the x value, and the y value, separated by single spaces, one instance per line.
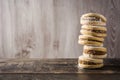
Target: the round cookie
pixel 89 63
pixel 93 19
pixel 97 31
pixel 95 52
pixel 90 40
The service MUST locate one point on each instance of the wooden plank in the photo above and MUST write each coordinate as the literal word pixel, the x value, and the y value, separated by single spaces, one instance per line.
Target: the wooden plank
pixel 55 66
pixel 57 77
pixel 50 28
pixel 56 69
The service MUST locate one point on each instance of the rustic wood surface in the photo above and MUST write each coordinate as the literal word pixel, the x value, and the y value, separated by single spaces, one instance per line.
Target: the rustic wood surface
pixel 56 69
pixel 50 28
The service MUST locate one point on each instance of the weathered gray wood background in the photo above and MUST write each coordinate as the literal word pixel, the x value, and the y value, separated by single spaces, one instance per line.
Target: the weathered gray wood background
pixel 50 28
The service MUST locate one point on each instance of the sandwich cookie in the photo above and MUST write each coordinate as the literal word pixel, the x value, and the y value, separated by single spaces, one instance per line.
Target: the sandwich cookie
pixel 93 19
pixel 90 40
pixel 95 52
pixel 94 30
pixel 89 63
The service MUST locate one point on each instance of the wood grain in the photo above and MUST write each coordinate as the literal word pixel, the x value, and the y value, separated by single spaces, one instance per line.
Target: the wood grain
pixel 56 69
pixel 50 28
pixel 55 66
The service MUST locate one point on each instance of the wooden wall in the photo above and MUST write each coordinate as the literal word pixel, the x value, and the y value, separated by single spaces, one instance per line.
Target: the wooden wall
pixel 50 28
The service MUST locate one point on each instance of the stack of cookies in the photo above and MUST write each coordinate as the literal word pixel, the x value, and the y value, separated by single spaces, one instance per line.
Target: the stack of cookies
pixel 93 32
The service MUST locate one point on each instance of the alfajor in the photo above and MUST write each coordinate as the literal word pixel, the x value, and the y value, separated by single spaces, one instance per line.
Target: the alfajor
pixel 95 52
pixel 90 40
pixel 93 19
pixel 97 31
pixel 85 62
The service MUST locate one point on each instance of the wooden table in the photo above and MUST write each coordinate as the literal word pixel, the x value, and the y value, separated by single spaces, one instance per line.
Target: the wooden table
pixel 56 69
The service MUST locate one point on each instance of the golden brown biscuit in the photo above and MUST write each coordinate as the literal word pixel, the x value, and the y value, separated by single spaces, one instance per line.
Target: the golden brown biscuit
pixel 93 19
pixel 94 30
pixel 89 63
pixel 95 52
pixel 90 40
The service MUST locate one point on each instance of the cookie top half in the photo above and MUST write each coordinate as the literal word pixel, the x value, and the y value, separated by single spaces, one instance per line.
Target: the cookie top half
pixel 93 19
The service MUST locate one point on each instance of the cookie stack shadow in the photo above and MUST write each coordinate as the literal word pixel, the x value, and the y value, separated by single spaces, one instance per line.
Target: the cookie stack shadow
pixel 93 32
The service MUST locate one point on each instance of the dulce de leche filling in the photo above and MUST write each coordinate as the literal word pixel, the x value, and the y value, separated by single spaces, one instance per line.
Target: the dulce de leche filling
pixel 91 40
pixel 88 62
pixel 94 52
pixel 96 31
